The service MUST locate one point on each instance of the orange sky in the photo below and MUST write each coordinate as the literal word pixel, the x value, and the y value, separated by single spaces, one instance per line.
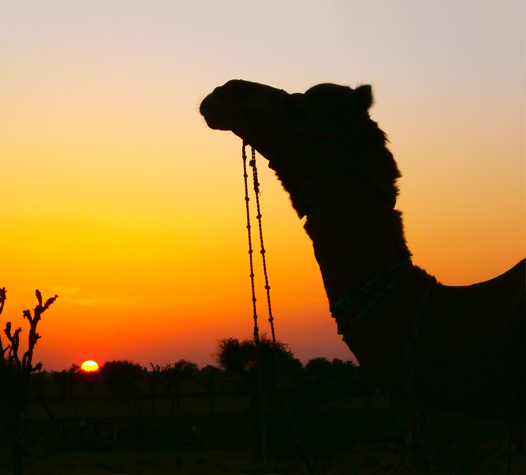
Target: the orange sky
pixel 117 197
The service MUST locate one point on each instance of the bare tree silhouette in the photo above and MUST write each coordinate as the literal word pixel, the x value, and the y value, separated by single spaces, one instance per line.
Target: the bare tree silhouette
pixel 15 376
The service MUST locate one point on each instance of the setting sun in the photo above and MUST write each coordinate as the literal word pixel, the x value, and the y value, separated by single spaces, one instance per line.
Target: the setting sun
pixel 89 366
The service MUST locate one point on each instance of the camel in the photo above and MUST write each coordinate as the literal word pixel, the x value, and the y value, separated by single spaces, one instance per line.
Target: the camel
pixel 456 348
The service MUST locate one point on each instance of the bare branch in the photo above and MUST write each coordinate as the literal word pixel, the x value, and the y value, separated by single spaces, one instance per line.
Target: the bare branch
pixel 2 298
pixel 49 302
pixel 2 302
pixel 15 341
pixel 39 297
pixel 27 314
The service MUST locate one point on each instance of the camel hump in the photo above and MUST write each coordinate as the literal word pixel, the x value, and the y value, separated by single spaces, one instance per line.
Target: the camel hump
pixel 515 277
pixel 512 278
pixel 507 292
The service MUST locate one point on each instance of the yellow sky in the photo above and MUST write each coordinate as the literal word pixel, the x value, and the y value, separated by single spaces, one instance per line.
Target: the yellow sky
pixel 116 196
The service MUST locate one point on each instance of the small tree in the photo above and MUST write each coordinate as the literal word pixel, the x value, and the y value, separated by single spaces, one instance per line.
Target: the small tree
pixel 153 378
pixel 210 377
pixel 174 378
pixel 120 378
pixel 240 357
pixel 15 376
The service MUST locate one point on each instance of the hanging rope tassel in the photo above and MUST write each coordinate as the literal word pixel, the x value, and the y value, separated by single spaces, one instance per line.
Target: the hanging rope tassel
pixel 262 246
pixel 255 316
pixel 307 458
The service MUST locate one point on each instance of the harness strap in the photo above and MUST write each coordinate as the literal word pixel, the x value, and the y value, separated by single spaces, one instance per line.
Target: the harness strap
pixel 370 293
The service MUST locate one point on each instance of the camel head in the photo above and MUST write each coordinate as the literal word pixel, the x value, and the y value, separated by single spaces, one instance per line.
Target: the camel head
pixel 248 109
pixel 312 140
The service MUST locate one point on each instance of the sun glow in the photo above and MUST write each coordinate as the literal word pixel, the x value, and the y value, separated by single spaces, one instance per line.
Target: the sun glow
pixel 89 366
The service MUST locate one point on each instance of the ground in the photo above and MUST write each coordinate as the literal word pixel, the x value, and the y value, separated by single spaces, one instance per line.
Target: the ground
pixel 347 436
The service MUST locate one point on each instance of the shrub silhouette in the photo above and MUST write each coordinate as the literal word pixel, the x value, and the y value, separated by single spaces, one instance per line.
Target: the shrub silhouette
pixel 240 357
pixel 120 378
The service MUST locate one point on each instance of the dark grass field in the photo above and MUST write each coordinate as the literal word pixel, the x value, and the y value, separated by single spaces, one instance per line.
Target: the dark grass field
pixel 104 435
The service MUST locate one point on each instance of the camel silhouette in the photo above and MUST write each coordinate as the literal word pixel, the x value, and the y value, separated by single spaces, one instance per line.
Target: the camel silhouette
pixel 458 348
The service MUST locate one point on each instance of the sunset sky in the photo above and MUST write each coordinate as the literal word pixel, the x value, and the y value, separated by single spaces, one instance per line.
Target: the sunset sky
pixel 116 196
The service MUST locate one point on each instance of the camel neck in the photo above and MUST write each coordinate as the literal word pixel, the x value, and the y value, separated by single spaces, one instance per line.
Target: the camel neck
pixel 355 237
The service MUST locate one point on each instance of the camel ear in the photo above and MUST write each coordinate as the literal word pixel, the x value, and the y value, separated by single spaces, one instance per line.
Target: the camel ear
pixel 363 97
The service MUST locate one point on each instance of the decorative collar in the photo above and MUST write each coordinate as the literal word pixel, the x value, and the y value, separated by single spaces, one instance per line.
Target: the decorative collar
pixel 370 293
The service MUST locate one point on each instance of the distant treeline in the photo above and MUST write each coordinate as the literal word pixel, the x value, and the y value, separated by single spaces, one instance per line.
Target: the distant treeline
pixel 237 371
